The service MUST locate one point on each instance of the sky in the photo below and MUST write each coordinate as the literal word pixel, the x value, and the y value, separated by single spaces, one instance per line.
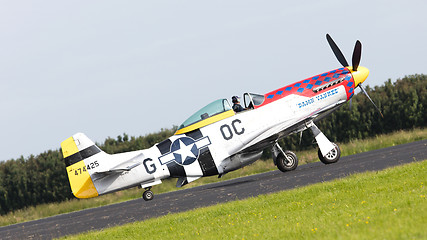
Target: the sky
pixel 107 67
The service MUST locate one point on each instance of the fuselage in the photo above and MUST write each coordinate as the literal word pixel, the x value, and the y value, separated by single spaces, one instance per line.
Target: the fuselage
pixel 237 140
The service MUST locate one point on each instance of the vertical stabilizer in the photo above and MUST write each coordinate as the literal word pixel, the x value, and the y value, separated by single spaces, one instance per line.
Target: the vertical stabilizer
pixel 75 149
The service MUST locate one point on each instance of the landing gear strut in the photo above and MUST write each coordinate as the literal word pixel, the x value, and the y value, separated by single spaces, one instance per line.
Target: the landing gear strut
pixel 285 160
pixel 148 194
pixel 329 152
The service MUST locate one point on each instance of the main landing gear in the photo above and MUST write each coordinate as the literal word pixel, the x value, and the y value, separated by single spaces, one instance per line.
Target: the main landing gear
pixel 332 156
pixel 328 152
pixel 148 194
pixel 284 160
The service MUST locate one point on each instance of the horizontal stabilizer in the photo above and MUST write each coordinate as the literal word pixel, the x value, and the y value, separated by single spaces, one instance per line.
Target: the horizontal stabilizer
pixel 122 167
pixel 119 169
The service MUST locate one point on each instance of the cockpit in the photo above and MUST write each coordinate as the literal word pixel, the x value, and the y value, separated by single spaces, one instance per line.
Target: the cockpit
pixel 213 112
pixel 216 111
pixel 253 100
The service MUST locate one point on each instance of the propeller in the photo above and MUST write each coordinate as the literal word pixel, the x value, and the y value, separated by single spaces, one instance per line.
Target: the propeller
pixel 357 54
pixel 364 91
pixel 336 51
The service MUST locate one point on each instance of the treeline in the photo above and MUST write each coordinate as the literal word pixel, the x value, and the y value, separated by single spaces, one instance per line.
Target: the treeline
pixel 42 179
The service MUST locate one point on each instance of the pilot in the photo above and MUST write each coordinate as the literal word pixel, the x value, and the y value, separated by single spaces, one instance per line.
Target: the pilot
pixel 236 104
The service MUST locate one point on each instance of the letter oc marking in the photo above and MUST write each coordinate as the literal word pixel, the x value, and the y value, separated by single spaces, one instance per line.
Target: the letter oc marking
pixel 233 123
pixel 226 131
pixel 229 135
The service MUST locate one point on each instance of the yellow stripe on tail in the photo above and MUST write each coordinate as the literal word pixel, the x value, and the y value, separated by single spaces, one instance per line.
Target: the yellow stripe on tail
pixel 80 181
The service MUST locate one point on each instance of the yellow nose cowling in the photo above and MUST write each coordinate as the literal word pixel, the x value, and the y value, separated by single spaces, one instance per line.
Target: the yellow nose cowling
pixel 360 75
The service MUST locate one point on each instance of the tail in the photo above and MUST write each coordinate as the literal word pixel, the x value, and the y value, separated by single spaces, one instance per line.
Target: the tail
pixel 75 150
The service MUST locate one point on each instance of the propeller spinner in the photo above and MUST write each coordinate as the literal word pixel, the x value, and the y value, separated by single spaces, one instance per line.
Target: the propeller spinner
pixel 359 73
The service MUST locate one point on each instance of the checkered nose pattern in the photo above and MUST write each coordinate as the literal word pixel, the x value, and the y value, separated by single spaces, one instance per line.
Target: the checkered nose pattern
pixel 311 86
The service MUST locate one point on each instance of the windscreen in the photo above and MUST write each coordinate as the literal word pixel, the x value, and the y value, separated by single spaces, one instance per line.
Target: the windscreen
pixel 212 109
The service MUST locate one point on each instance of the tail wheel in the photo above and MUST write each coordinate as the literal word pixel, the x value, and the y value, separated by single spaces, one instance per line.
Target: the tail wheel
pixel 148 195
pixel 331 157
pixel 288 162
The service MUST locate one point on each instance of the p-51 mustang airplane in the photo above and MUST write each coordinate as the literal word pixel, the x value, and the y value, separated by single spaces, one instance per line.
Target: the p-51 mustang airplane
pixel 216 140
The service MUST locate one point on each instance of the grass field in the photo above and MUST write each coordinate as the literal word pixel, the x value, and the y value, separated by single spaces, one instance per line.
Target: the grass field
pixel 389 204
pixel 353 147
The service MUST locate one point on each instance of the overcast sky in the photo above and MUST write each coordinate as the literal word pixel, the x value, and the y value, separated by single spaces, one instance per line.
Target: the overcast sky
pixel 111 67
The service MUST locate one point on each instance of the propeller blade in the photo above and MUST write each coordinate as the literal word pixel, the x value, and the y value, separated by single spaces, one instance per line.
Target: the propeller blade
pixel 357 53
pixel 337 51
pixel 349 108
pixel 363 90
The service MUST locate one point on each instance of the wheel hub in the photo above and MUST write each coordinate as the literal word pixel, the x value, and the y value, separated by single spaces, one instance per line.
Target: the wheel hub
pixel 289 160
pixel 332 154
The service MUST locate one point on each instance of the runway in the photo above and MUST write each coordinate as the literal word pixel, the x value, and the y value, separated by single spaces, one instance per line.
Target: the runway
pixel 240 188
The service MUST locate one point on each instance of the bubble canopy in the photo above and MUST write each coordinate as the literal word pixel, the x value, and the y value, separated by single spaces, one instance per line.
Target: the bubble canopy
pixel 213 112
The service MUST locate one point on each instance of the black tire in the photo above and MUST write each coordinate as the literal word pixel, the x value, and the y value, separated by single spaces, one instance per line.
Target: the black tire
pixel 148 195
pixel 285 165
pixel 331 157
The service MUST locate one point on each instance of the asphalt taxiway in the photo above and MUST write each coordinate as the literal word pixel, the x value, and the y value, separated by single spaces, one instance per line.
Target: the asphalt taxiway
pixel 240 188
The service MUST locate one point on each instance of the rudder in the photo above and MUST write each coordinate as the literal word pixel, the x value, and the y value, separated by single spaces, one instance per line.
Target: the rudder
pixel 74 150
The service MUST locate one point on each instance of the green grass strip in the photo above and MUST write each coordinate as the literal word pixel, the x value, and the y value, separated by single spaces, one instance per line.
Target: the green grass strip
pixel 390 204
pixel 353 147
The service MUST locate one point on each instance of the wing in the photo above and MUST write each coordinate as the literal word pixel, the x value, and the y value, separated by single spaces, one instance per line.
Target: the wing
pixel 299 126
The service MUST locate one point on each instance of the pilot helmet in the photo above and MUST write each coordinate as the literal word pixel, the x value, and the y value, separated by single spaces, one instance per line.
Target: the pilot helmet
pixel 235 99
